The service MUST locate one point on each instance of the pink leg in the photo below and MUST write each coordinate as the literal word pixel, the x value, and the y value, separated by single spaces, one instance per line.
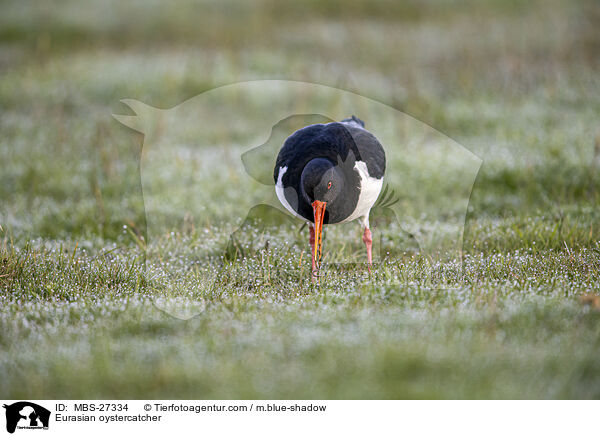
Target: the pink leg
pixel 368 243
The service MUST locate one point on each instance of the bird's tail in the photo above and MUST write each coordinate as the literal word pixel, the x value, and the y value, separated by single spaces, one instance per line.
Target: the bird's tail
pixel 354 119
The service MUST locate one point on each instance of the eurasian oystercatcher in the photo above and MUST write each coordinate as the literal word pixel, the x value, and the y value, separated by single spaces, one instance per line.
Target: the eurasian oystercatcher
pixel 330 173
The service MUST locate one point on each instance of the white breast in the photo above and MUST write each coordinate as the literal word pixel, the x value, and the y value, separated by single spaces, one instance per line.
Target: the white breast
pixel 279 190
pixel 370 187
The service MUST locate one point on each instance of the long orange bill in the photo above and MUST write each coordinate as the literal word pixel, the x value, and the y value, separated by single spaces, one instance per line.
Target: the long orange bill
pixel 319 213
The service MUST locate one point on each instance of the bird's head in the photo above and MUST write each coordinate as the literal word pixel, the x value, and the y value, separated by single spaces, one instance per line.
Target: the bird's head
pixel 321 183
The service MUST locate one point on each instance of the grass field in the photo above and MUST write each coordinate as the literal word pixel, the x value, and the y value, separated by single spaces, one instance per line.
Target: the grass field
pixel 515 82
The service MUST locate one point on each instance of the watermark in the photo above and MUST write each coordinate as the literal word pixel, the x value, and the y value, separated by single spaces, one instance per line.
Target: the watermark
pixel 211 167
pixel 269 417
pixel 24 415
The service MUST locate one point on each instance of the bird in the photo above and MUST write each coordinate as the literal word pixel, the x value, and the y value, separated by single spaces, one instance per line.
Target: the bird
pixel 330 173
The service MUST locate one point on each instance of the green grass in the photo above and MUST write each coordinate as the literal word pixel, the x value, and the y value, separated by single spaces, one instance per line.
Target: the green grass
pixel 515 82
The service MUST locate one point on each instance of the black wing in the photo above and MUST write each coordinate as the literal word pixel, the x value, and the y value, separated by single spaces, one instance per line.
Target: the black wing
pixel 334 141
pixel 258 162
pixel 370 149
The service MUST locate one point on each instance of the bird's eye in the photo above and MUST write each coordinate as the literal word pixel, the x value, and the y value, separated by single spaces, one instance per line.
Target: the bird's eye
pixel 329 185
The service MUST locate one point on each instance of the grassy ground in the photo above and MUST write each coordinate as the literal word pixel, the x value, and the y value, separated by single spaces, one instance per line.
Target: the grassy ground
pixel 515 82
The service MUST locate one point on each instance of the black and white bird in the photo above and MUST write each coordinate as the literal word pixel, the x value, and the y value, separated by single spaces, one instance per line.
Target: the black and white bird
pixel 328 174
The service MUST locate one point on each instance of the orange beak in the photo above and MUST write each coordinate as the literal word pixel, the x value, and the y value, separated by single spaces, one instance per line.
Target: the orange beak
pixel 319 214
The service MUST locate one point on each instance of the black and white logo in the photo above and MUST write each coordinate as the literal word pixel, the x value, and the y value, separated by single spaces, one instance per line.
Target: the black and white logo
pixel 26 415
